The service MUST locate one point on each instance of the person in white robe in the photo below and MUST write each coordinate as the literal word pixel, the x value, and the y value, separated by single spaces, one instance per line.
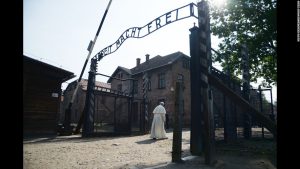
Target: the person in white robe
pixel 158 127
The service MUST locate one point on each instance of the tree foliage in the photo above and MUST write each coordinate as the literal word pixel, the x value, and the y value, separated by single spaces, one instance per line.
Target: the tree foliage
pixel 252 22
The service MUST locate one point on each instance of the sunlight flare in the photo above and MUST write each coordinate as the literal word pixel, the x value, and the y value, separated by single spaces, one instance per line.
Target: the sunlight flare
pixel 218 3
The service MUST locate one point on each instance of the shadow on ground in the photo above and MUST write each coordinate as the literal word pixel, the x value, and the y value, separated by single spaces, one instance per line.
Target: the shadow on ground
pixel 149 141
pixel 196 162
pixel 256 153
pixel 54 138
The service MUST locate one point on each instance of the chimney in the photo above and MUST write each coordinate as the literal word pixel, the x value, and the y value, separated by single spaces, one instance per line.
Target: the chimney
pixel 147 57
pixel 138 61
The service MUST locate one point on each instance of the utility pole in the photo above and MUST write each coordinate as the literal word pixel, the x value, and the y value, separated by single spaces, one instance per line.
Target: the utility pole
pixel 67 127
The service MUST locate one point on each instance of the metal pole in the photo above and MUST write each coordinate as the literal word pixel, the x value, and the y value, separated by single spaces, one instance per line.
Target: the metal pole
pixel 90 49
pixel 145 97
pixel 89 107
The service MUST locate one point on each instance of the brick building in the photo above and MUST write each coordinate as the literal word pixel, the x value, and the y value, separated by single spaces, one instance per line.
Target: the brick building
pixel 163 72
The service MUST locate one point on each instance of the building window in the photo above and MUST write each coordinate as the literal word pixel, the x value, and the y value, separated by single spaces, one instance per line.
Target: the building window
pixel 120 75
pixel 135 87
pixel 149 85
pixel 185 63
pixel 180 78
pixel 119 87
pixel 161 81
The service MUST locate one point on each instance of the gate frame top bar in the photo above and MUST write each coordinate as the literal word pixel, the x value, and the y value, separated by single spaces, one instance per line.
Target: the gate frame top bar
pixel 131 32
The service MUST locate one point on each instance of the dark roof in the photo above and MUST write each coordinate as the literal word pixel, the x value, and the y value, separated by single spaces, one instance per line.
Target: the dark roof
pixel 125 69
pixel 63 74
pixel 84 82
pixel 157 61
pixel 153 63
pixel 117 70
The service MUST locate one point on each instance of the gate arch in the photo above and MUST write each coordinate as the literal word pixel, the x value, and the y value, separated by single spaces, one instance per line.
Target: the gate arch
pixel 133 32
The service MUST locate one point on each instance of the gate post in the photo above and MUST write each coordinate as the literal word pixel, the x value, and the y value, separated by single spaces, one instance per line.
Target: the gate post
pixel 196 141
pixel 202 125
pixel 89 108
pixel 246 90
pixel 205 90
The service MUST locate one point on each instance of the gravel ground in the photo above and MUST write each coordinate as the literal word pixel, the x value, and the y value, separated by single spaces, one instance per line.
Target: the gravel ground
pixel 129 152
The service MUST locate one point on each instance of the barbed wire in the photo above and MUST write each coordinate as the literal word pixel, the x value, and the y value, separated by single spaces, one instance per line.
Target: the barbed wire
pixel 45 60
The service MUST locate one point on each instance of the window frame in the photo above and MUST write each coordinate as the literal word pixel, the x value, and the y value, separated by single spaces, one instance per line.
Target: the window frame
pixel 162 81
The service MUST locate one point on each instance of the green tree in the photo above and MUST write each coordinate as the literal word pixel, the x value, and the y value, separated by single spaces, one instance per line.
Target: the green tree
pixel 252 22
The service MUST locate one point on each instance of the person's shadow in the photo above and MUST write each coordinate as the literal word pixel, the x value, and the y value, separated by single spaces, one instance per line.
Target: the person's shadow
pixel 148 141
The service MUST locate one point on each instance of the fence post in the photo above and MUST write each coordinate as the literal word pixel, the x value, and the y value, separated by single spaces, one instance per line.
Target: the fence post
pixel 246 90
pixel 230 133
pixel 177 131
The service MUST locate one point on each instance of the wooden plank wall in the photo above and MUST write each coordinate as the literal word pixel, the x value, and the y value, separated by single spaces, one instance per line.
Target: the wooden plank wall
pixel 40 109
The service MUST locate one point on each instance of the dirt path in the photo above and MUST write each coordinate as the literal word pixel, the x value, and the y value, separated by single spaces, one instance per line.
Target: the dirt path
pixel 74 152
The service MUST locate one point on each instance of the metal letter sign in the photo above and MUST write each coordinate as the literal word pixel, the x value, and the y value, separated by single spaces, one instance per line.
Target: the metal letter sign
pixel 140 32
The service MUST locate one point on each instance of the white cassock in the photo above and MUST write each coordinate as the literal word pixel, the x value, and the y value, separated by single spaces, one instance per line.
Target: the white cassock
pixel 158 127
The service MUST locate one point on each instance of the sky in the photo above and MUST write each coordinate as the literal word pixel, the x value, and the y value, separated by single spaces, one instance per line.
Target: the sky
pixel 58 32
